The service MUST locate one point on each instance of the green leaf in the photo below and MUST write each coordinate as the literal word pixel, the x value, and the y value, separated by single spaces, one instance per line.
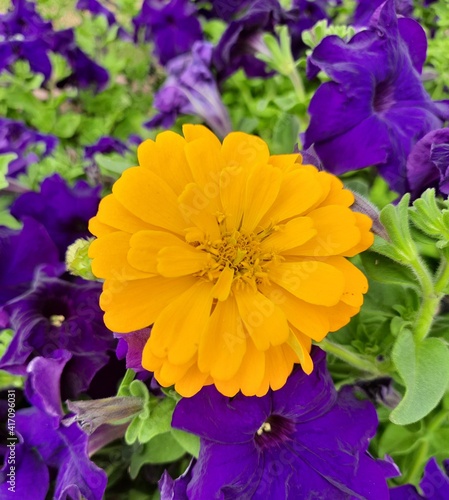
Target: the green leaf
pixel 385 270
pixel 424 368
pixel 111 163
pixel 161 449
pixel 5 160
pixel 285 133
pixel 395 219
pixel 159 421
pixel 66 125
pixel 189 442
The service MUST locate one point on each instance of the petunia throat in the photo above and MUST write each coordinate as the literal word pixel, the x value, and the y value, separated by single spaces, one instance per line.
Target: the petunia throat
pixel 275 431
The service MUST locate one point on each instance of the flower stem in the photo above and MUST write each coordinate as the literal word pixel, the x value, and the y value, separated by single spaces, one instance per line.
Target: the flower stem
pixel 353 359
pixel 415 472
pixel 297 85
pixel 430 300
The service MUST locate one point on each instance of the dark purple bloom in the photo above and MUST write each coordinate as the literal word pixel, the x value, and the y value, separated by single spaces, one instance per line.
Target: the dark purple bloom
pixel 130 345
pixel 235 49
pixel 366 8
pixel 45 447
pixel 434 484
pixel 86 73
pixel 106 145
pixel 376 108
pixel 97 9
pixel 22 36
pixel 304 438
pixel 428 163
pixel 176 489
pixel 21 254
pixel 191 89
pixel 55 315
pixel 63 210
pixel 172 26
pixel 16 137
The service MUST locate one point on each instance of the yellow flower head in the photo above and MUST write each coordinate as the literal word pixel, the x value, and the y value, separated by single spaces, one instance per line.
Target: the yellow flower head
pixel 236 257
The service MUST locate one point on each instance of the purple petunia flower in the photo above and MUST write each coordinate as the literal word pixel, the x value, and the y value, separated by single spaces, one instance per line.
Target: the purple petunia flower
pixel 25 35
pixel 376 108
pixel 366 8
pixel 301 441
pixel 97 9
pixel 106 145
pixel 21 254
pixel 191 89
pixel 235 49
pixel 54 315
pixel 45 447
pixel 16 137
pixel 434 484
pixel 130 346
pixel 428 163
pixel 171 25
pixel 63 210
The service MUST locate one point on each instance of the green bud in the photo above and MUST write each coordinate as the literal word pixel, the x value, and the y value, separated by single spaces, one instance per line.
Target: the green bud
pixel 77 260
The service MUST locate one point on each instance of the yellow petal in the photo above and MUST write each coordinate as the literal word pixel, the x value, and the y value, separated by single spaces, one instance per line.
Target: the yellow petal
pixel 192 382
pixel 356 283
pixel 177 330
pixel 199 210
pixel 166 158
pixel 232 195
pixel 205 163
pixel 264 321
pixel 132 305
pixel 252 370
pixel 285 162
pixel 223 344
pixel 244 150
pixel 193 132
pixel 147 196
pixel 97 228
pixel 301 346
pixel 312 281
pixel 300 191
pixel 114 214
pixel 311 319
pixel 109 254
pixel 290 235
pixel 336 232
pixel 278 366
pixel 364 223
pixel 169 373
pixel 262 189
pixel 222 287
pixel 181 260
pixel 337 194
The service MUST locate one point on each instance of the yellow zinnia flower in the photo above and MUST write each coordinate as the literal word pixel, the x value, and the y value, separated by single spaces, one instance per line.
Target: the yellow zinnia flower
pixel 236 257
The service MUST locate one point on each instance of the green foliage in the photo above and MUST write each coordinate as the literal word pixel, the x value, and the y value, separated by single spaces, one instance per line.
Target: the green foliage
pixel 424 369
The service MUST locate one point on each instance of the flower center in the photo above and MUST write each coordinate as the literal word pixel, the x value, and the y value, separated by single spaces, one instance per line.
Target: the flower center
pixel 57 319
pixel 275 431
pixel 242 254
pixel 383 97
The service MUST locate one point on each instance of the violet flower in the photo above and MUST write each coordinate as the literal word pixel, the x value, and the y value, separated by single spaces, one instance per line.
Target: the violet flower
pixel 375 108
pixel 23 35
pixel 106 145
pixel 97 9
pixel 55 315
pixel 191 89
pixel 16 137
pixel 172 26
pixel 63 210
pixel 235 49
pixel 428 163
pixel 130 346
pixel 366 8
pixel 434 484
pixel 304 438
pixel 44 447
pixel 22 252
